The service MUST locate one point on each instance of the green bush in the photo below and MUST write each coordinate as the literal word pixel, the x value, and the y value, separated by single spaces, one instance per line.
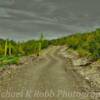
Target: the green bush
pixel 83 53
pixel 5 60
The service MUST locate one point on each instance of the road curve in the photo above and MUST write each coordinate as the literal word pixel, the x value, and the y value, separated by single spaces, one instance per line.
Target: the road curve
pixel 50 77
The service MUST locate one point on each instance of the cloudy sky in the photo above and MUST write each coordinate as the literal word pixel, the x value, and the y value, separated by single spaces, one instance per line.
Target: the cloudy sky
pixel 26 19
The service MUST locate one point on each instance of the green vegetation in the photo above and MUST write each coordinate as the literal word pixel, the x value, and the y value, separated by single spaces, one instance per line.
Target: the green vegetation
pixel 5 60
pixel 6 45
pixel 86 44
pixel 11 51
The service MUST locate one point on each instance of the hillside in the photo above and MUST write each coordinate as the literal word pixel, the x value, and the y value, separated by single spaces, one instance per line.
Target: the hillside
pixel 86 44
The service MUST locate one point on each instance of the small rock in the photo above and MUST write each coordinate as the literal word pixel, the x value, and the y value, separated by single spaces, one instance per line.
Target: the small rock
pixel 80 61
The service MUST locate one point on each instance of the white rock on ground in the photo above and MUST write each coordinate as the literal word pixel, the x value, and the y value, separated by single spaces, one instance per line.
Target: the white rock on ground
pixel 80 61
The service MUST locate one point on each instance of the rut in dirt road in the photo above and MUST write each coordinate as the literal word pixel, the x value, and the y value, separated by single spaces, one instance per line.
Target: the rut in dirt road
pixel 48 78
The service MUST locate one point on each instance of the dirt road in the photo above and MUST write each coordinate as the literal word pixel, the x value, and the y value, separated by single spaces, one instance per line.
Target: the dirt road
pixel 50 77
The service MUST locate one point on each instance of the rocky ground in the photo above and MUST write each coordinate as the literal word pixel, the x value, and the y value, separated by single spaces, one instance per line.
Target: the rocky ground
pixel 89 71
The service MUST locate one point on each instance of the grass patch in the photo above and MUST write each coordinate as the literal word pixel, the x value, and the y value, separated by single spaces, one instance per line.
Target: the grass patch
pixel 8 60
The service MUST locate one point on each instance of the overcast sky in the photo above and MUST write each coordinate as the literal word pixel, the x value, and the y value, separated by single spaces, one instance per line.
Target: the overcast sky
pixel 25 19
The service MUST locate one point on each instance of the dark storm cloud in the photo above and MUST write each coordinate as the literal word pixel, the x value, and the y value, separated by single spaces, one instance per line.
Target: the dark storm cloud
pixel 25 19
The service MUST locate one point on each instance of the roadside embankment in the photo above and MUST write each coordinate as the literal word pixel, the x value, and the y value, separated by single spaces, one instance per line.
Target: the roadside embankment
pixel 90 71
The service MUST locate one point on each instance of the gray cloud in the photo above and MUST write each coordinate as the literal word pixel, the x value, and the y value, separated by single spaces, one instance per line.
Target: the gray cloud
pixel 25 19
pixel 4 13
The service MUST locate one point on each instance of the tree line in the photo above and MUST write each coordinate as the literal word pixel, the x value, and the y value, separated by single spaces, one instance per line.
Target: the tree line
pixel 11 51
pixel 86 44
pixel 10 47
